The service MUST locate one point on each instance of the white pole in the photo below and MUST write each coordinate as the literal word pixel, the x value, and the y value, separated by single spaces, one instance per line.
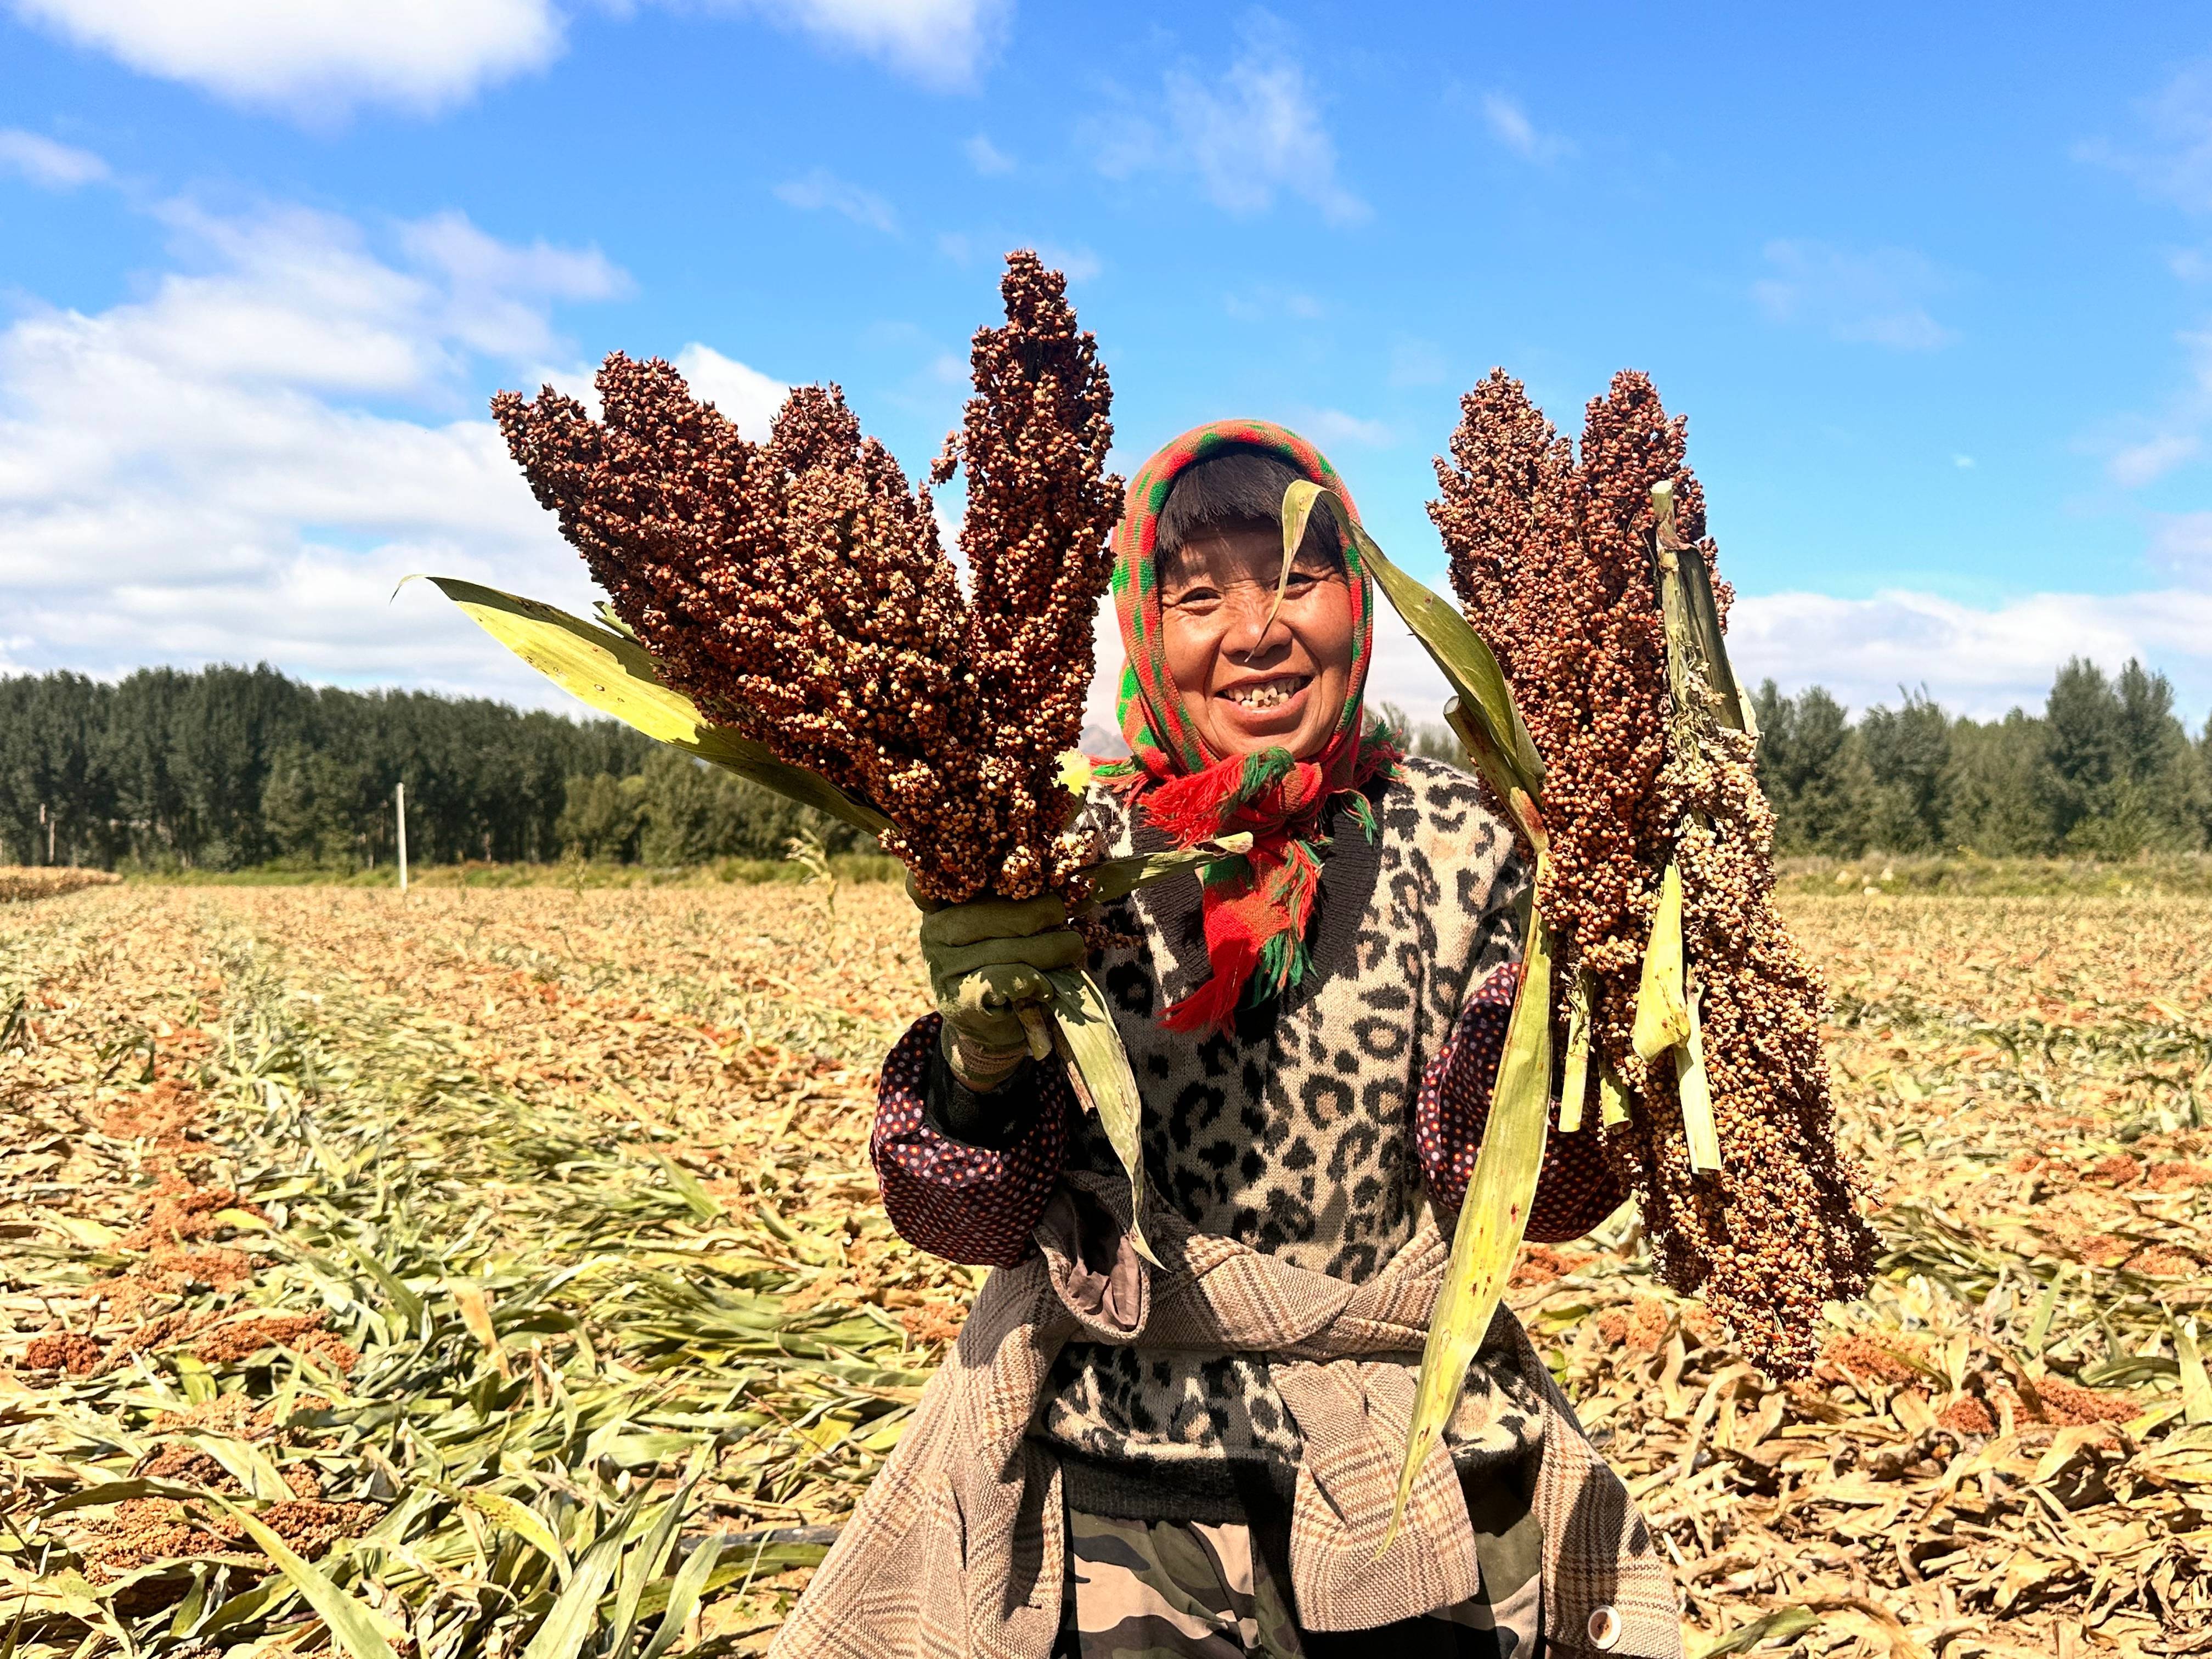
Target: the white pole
pixel 399 811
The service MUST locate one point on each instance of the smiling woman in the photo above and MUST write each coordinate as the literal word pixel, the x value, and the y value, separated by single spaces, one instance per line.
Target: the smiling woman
pixel 1197 1459
pixel 1244 715
pixel 1251 674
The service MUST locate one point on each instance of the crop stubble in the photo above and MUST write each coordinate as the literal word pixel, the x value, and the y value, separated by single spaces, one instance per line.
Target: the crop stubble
pixel 442 1234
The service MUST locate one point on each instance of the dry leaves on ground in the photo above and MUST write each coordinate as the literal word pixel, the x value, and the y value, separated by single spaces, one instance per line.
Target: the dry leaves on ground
pixel 48 881
pixel 447 1239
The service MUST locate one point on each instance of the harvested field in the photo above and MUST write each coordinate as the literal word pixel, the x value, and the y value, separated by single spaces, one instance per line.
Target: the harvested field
pixel 481 1256
pixel 47 881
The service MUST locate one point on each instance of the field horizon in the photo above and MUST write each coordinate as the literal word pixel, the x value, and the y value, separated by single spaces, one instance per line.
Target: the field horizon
pixel 1962 874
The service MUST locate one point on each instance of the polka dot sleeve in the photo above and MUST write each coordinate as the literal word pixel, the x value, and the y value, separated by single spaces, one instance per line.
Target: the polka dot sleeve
pixel 968 1204
pixel 1575 1189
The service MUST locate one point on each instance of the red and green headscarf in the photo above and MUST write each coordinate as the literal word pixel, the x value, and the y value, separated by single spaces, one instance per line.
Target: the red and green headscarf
pixel 1255 909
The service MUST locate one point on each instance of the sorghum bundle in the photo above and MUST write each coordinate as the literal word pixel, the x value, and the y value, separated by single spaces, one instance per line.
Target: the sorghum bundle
pixel 1554 561
pixel 796 590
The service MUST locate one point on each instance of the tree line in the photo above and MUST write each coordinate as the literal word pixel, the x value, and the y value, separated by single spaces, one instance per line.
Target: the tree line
pixel 2107 770
pixel 225 767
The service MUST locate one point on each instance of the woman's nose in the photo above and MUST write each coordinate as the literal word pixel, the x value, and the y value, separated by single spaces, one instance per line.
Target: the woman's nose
pixel 1255 623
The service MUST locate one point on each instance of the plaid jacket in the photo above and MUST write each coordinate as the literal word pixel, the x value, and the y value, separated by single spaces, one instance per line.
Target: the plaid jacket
pixel 959 1547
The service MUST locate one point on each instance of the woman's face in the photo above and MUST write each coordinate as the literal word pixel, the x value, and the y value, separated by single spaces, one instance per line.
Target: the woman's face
pixel 1248 683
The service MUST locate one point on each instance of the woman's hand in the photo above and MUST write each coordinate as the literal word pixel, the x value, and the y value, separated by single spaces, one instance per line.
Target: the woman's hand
pixel 987 961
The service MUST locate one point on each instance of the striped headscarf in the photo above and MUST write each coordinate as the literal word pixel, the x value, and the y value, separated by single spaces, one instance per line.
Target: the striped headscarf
pixel 1255 909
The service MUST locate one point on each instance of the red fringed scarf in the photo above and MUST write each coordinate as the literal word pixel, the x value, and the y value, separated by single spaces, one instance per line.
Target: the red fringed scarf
pixel 1255 909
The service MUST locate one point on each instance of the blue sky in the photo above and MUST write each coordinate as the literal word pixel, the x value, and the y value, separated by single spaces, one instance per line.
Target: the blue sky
pixel 1934 285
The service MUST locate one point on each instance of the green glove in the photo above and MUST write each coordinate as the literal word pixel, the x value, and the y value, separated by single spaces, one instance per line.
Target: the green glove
pixel 986 961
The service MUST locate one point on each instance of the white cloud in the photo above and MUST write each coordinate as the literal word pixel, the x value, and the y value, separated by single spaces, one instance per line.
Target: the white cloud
pixel 2140 464
pixel 1263 302
pixel 819 189
pixel 316 59
pixel 1418 362
pixel 1876 298
pixel 1077 264
pixel 1509 124
pixel 2173 157
pixel 2139 450
pixel 986 157
pixel 496 292
pixel 1964 463
pixel 1105 674
pixel 747 397
pixel 1333 426
pixel 1974 660
pixel 241 464
pixel 1253 132
pixel 943 44
pixel 2181 543
pixel 1403 672
pixel 46 163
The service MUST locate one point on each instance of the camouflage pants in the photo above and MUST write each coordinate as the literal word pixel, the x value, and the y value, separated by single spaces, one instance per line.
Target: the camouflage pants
pixel 1179 1589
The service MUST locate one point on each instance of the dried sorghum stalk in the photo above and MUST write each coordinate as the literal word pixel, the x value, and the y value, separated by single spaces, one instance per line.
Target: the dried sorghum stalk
pixel 797 591
pixel 1552 557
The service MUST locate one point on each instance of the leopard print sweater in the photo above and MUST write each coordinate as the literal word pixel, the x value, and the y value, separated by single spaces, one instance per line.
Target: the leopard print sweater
pixel 1294 1133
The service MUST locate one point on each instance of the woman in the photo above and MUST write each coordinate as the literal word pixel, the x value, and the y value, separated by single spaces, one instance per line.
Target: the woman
pixel 1198 1458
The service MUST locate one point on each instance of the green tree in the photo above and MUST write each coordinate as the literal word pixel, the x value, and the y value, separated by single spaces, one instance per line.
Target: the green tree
pixel 55 803
pixel 2161 767
pixel 224 766
pixel 290 813
pixel 224 728
pixel 1813 773
pixel 603 818
pixel 2117 778
pixel 319 807
pixel 1993 803
pixel 1908 759
pixel 135 751
pixel 2204 783
pixel 694 813
pixel 2082 763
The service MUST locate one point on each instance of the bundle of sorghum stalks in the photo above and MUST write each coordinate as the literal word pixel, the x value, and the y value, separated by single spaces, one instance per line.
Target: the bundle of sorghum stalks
pixel 1590 577
pixel 795 590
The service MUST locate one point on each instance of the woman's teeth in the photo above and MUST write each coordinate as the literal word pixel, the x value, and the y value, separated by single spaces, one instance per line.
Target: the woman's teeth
pixel 1267 695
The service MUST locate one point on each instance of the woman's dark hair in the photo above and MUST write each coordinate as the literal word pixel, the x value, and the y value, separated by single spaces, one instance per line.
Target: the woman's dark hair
pixel 1234 489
